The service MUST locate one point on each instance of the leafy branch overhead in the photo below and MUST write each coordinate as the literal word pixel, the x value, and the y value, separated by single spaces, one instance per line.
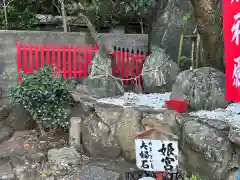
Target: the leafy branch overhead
pixel 15 14
pixel 111 11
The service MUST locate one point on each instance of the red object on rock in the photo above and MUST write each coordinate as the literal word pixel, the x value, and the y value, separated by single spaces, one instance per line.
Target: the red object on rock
pixel 180 106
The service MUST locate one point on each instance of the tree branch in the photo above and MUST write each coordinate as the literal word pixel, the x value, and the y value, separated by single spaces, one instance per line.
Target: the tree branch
pixel 76 7
pixel 63 15
pixel 91 28
pixel 82 11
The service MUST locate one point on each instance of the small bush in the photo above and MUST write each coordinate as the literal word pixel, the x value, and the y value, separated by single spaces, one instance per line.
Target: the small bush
pixel 193 177
pixel 46 97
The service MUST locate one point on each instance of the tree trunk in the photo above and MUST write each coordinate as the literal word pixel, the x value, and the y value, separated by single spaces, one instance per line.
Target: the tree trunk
pixel 5 14
pixel 63 12
pixel 209 24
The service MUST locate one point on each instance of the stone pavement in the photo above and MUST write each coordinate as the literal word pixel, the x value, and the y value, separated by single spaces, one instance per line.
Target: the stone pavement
pixel 25 157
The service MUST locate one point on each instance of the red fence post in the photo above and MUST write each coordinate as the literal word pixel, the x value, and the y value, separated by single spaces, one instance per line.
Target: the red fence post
pixel 127 66
pixel 133 66
pixel 48 54
pixel 138 57
pixel 75 61
pixel 36 56
pixel 119 61
pixel 53 59
pixel 42 54
pixel 123 64
pixel 30 58
pixel 64 62
pixel 19 60
pixel 80 62
pixel 69 61
pixel 59 59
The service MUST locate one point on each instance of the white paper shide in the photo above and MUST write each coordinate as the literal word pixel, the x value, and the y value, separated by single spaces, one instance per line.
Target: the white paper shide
pixel 156 155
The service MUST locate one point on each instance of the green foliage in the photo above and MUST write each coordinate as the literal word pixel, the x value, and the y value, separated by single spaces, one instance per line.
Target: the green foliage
pixel 111 12
pixel 46 97
pixel 186 17
pixel 137 7
pixel 193 177
pixel 21 14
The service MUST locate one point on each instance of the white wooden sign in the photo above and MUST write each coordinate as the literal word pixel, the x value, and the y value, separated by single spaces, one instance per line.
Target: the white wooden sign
pixel 156 155
pixel 147 178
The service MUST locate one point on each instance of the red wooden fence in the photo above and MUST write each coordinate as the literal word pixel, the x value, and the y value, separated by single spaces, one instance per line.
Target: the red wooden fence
pixel 72 61
pixel 128 64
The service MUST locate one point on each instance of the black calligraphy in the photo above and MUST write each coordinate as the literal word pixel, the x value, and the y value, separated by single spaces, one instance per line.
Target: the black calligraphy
pixel 168 156
pixel 146 155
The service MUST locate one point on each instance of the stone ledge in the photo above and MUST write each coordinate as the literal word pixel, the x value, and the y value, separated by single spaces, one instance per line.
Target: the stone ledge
pixel 206 145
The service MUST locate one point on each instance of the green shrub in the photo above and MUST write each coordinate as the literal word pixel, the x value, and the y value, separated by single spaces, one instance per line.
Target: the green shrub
pixel 193 177
pixel 21 15
pixel 46 97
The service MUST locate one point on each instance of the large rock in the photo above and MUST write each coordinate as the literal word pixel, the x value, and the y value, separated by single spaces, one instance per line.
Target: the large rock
pixel 19 119
pixel 98 173
pixel 16 117
pixel 5 109
pixel 167 124
pixel 98 131
pixel 204 88
pixel 99 76
pixel 234 135
pixel 88 91
pixel 159 62
pixel 126 131
pixel 110 114
pixel 106 85
pixel 62 161
pixel 206 148
pixel 5 132
pixel 168 22
pixel 68 155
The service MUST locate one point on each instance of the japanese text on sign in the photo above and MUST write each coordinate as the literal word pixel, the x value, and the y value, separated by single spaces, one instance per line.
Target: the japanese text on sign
pixel 235 1
pixel 236 29
pixel 236 72
pixel 156 155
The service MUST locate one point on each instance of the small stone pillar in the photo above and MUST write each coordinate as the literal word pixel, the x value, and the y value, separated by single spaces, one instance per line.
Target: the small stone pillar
pixel 75 135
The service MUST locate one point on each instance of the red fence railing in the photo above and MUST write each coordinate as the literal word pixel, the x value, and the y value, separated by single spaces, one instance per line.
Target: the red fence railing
pixel 128 64
pixel 73 61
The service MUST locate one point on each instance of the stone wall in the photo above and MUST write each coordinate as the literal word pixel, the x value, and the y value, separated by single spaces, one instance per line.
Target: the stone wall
pixel 8 39
pixel 207 147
